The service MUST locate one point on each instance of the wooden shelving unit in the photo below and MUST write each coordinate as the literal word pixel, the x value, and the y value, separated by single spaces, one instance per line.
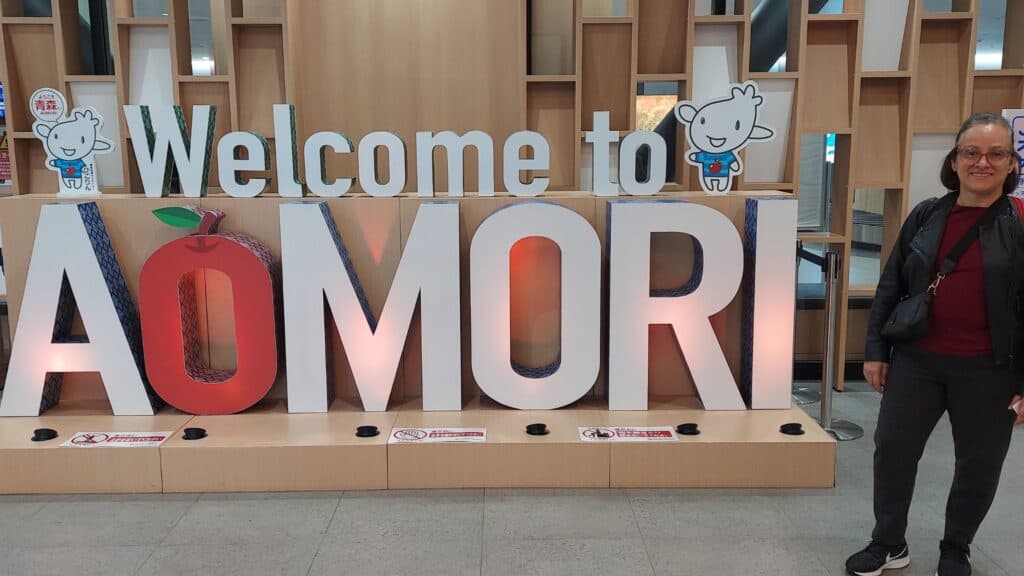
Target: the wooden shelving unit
pixel 153 66
pixel 945 60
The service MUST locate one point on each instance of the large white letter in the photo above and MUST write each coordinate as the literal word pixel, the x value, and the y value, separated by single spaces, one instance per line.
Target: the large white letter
pixel 288 183
pixel 368 164
pixel 655 167
pixel 315 264
pixel 152 136
pixel 514 164
pixel 72 255
pixel 228 165
pixel 455 147
pixel 717 275
pixel 769 301
pixel 316 173
pixel 602 138
pixel 568 379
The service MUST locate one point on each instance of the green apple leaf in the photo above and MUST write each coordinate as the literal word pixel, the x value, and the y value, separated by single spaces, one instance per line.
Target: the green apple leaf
pixel 178 217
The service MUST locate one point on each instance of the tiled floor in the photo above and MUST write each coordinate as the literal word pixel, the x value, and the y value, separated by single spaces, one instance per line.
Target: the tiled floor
pixel 515 532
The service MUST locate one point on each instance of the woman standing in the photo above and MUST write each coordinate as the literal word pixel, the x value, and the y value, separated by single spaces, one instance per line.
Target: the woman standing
pixel 964 364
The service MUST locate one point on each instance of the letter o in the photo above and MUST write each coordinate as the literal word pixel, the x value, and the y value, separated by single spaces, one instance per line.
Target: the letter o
pixel 170 334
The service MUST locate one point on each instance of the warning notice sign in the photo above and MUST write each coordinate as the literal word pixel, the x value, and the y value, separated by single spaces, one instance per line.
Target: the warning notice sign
pixel 116 439
pixel 436 435
pixel 627 434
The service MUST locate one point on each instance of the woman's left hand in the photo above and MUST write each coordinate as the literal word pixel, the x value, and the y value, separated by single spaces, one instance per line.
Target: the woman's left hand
pixel 1017 404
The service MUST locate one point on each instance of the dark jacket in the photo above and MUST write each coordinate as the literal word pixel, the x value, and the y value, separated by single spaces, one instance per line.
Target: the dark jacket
pixel 911 268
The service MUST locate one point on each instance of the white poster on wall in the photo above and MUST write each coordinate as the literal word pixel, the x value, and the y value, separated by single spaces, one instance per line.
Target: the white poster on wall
pixel 1015 117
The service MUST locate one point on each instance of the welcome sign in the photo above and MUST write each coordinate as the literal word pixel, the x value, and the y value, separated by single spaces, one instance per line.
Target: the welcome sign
pixel 148 356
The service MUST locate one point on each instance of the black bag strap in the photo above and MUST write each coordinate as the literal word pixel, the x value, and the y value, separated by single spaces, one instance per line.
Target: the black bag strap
pixel 968 238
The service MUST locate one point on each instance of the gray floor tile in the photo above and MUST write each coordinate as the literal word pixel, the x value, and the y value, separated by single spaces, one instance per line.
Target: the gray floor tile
pixel 585 557
pixel 286 558
pixel 444 514
pixel 101 521
pixel 82 560
pixel 442 551
pixel 544 514
pixel 1004 551
pixel 726 514
pixel 16 509
pixel 454 532
pixel 747 556
pixel 242 519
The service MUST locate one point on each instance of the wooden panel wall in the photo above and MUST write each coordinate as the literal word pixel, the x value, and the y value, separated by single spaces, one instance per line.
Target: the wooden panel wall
pixel 404 67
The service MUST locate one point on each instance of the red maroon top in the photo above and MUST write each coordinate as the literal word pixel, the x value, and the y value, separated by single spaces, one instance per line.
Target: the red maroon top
pixel 959 319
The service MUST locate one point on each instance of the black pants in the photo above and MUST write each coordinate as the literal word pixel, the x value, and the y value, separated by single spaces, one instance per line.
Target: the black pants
pixel 919 388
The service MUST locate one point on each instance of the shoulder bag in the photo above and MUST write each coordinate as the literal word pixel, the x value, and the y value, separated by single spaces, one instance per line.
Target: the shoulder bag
pixel 909 319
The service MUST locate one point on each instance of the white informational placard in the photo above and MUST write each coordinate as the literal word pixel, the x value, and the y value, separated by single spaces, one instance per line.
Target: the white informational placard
pixel 116 440
pixel 1015 117
pixel 437 435
pixel 626 434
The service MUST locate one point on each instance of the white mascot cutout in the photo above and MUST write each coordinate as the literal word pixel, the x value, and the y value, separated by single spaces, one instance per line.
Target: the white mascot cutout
pixel 718 130
pixel 70 141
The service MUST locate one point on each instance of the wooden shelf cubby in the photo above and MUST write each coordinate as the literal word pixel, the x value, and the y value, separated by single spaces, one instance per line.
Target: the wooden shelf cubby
pixel 33 65
pixel 661 48
pixel 945 56
pixel 604 8
pixel 11 9
pixel 607 73
pixel 550 110
pixel 882 131
pixel 996 92
pixel 259 71
pixel 550 37
pixel 257 8
pixel 1013 41
pixel 829 77
pixel 29 166
pixel 146 64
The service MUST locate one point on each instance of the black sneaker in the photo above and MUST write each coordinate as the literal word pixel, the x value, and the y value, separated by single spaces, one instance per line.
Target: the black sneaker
pixel 954 560
pixel 876 558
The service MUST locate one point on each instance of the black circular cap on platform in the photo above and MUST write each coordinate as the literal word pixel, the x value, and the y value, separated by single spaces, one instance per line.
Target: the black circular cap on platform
pixel 43 434
pixel 688 429
pixel 194 434
pixel 367 431
pixel 792 429
pixel 538 429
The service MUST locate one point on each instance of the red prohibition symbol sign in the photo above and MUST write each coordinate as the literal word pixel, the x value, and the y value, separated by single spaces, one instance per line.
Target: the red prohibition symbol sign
pixel 410 434
pixel 598 433
pixel 89 439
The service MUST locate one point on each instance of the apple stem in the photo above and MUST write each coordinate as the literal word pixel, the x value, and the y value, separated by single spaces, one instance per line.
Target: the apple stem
pixel 210 221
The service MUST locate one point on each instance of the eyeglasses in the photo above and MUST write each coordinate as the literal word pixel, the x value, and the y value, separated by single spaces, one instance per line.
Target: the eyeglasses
pixel 973 155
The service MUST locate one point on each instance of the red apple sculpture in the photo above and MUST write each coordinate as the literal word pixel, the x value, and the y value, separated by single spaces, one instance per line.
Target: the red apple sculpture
pixel 170 324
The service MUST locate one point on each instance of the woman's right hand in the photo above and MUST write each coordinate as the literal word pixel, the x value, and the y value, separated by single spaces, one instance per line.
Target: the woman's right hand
pixel 875 373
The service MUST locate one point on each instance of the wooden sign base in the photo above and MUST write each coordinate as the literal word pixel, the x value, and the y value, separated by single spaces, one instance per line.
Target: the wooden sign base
pixel 266 449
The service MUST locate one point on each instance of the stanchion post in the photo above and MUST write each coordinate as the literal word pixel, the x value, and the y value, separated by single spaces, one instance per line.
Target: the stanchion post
pixel 802 395
pixel 841 430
